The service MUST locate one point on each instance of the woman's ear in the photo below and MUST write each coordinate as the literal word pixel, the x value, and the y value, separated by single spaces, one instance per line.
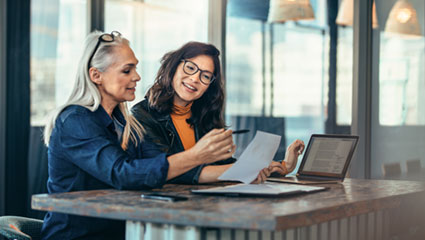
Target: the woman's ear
pixel 95 76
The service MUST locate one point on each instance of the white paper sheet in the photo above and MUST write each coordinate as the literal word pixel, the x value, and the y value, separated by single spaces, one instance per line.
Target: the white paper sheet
pixel 258 155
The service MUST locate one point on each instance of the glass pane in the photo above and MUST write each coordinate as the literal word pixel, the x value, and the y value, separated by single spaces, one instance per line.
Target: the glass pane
pixel 398 91
pixel 401 81
pixel 344 84
pixel 276 74
pixel 58 29
pixel 299 80
pixel 244 68
pixel 155 27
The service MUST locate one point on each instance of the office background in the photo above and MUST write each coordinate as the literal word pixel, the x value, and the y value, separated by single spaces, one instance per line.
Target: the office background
pixel 292 78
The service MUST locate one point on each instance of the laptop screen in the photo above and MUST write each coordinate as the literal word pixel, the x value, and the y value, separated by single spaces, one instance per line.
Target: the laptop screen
pixel 328 155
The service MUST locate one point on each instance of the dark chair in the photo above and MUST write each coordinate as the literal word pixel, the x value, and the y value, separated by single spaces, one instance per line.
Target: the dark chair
pixel 20 228
pixel 391 169
pixel 413 165
pixel 275 125
pixel 37 169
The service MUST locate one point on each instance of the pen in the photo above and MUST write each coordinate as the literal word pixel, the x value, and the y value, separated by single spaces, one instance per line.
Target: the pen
pixel 240 131
pixel 156 197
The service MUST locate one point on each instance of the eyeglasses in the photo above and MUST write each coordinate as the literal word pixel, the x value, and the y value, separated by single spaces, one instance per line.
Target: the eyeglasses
pixel 106 37
pixel 191 68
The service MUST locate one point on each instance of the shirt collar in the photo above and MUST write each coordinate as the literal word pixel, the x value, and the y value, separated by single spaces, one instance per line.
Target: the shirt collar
pixel 118 115
pixel 105 119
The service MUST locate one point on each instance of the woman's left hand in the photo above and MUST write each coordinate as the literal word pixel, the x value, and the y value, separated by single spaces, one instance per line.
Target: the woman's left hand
pixel 292 153
pixel 265 172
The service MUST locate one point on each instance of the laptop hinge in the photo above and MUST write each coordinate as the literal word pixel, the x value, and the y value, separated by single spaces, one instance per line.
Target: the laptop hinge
pixel 299 176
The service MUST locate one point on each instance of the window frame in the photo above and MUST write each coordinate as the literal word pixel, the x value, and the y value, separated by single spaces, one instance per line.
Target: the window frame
pixel 3 24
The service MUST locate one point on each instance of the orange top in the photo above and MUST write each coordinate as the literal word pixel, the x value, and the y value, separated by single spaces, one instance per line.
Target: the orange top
pixel 186 132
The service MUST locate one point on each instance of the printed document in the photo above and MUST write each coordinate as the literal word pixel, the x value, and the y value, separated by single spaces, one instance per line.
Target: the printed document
pixel 258 155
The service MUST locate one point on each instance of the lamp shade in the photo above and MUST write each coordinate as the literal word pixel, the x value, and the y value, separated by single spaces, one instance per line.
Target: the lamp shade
pixel 346 12
pixel 402 19
pixel 287 10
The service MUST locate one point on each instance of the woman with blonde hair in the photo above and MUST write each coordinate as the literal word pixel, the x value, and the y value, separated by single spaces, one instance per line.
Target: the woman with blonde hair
pixel 94 143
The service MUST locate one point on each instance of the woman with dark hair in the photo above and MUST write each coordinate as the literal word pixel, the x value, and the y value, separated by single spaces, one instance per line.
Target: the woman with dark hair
pixel 183 110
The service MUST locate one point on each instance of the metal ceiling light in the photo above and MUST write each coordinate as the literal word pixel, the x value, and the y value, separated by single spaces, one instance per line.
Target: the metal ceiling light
pixel 287 10
pixel 403 20
pixel 346 11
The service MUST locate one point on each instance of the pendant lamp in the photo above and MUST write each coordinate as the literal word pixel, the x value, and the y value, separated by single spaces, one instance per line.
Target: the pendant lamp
pixel 287 10
pixel 403 20
pixel 346 12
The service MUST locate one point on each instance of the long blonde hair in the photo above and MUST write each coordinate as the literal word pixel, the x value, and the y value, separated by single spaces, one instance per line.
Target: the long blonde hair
pixel 86 94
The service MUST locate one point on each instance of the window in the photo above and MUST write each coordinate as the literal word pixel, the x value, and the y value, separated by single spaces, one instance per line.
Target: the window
pixel 276 74
pixel 344 85
pixel 244 72
pixel 58 29
pixel 398 90
pixel 401 81
pixel 155 27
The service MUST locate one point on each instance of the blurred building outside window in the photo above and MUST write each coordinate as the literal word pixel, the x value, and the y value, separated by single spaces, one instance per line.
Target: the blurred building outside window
pixel 155 27
pixel 58 29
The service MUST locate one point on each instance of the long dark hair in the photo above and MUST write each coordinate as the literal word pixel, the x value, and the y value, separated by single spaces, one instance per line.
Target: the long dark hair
pixel 207 111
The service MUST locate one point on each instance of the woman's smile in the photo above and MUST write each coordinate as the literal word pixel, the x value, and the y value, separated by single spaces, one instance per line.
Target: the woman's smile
pixel 133 89
pixel 189 87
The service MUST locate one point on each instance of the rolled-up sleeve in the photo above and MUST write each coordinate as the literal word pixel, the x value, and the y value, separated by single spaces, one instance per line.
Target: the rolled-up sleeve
pixel 90 147
pixel 192 176
pixel 189 177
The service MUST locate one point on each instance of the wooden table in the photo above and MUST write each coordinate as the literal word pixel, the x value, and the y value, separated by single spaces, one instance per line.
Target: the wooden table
pixel 356 209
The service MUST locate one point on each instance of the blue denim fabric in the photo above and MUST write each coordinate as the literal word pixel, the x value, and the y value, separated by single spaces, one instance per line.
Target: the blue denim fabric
pixel 85 154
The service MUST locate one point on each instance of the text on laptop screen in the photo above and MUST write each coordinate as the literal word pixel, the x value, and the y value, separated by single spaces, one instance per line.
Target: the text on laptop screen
pixel 328 155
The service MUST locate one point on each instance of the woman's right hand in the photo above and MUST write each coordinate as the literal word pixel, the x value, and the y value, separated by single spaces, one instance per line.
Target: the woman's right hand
pixel 214 146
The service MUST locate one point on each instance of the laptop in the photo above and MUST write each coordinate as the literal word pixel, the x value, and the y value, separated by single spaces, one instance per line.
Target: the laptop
pixel 267 189
pixel 326 160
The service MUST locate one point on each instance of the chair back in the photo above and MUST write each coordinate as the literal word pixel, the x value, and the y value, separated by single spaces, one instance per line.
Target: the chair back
pixel 413 165
pixel 20 228
pixel 391 169
pixel 275 125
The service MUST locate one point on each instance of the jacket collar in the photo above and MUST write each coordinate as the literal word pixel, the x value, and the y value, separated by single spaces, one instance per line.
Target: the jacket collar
pixel 161 117
pixel 105 119
pixel 165 119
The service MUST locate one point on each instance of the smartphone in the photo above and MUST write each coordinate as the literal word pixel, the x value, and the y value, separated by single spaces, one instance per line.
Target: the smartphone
pixel 163 197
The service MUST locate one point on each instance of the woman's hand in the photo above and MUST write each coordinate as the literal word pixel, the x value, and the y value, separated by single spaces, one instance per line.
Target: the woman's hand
pixel 292 153
pixel 265 172
pixel 214 146
pixel 291 157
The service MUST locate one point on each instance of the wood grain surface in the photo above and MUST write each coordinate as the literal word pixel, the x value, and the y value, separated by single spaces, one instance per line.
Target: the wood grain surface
pixel 353 197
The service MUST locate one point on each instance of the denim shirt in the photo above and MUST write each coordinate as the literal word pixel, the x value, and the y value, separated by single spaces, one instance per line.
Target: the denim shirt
pixel 85 154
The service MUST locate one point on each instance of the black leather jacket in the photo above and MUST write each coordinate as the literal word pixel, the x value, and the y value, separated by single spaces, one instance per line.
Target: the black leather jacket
pixel 161 130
